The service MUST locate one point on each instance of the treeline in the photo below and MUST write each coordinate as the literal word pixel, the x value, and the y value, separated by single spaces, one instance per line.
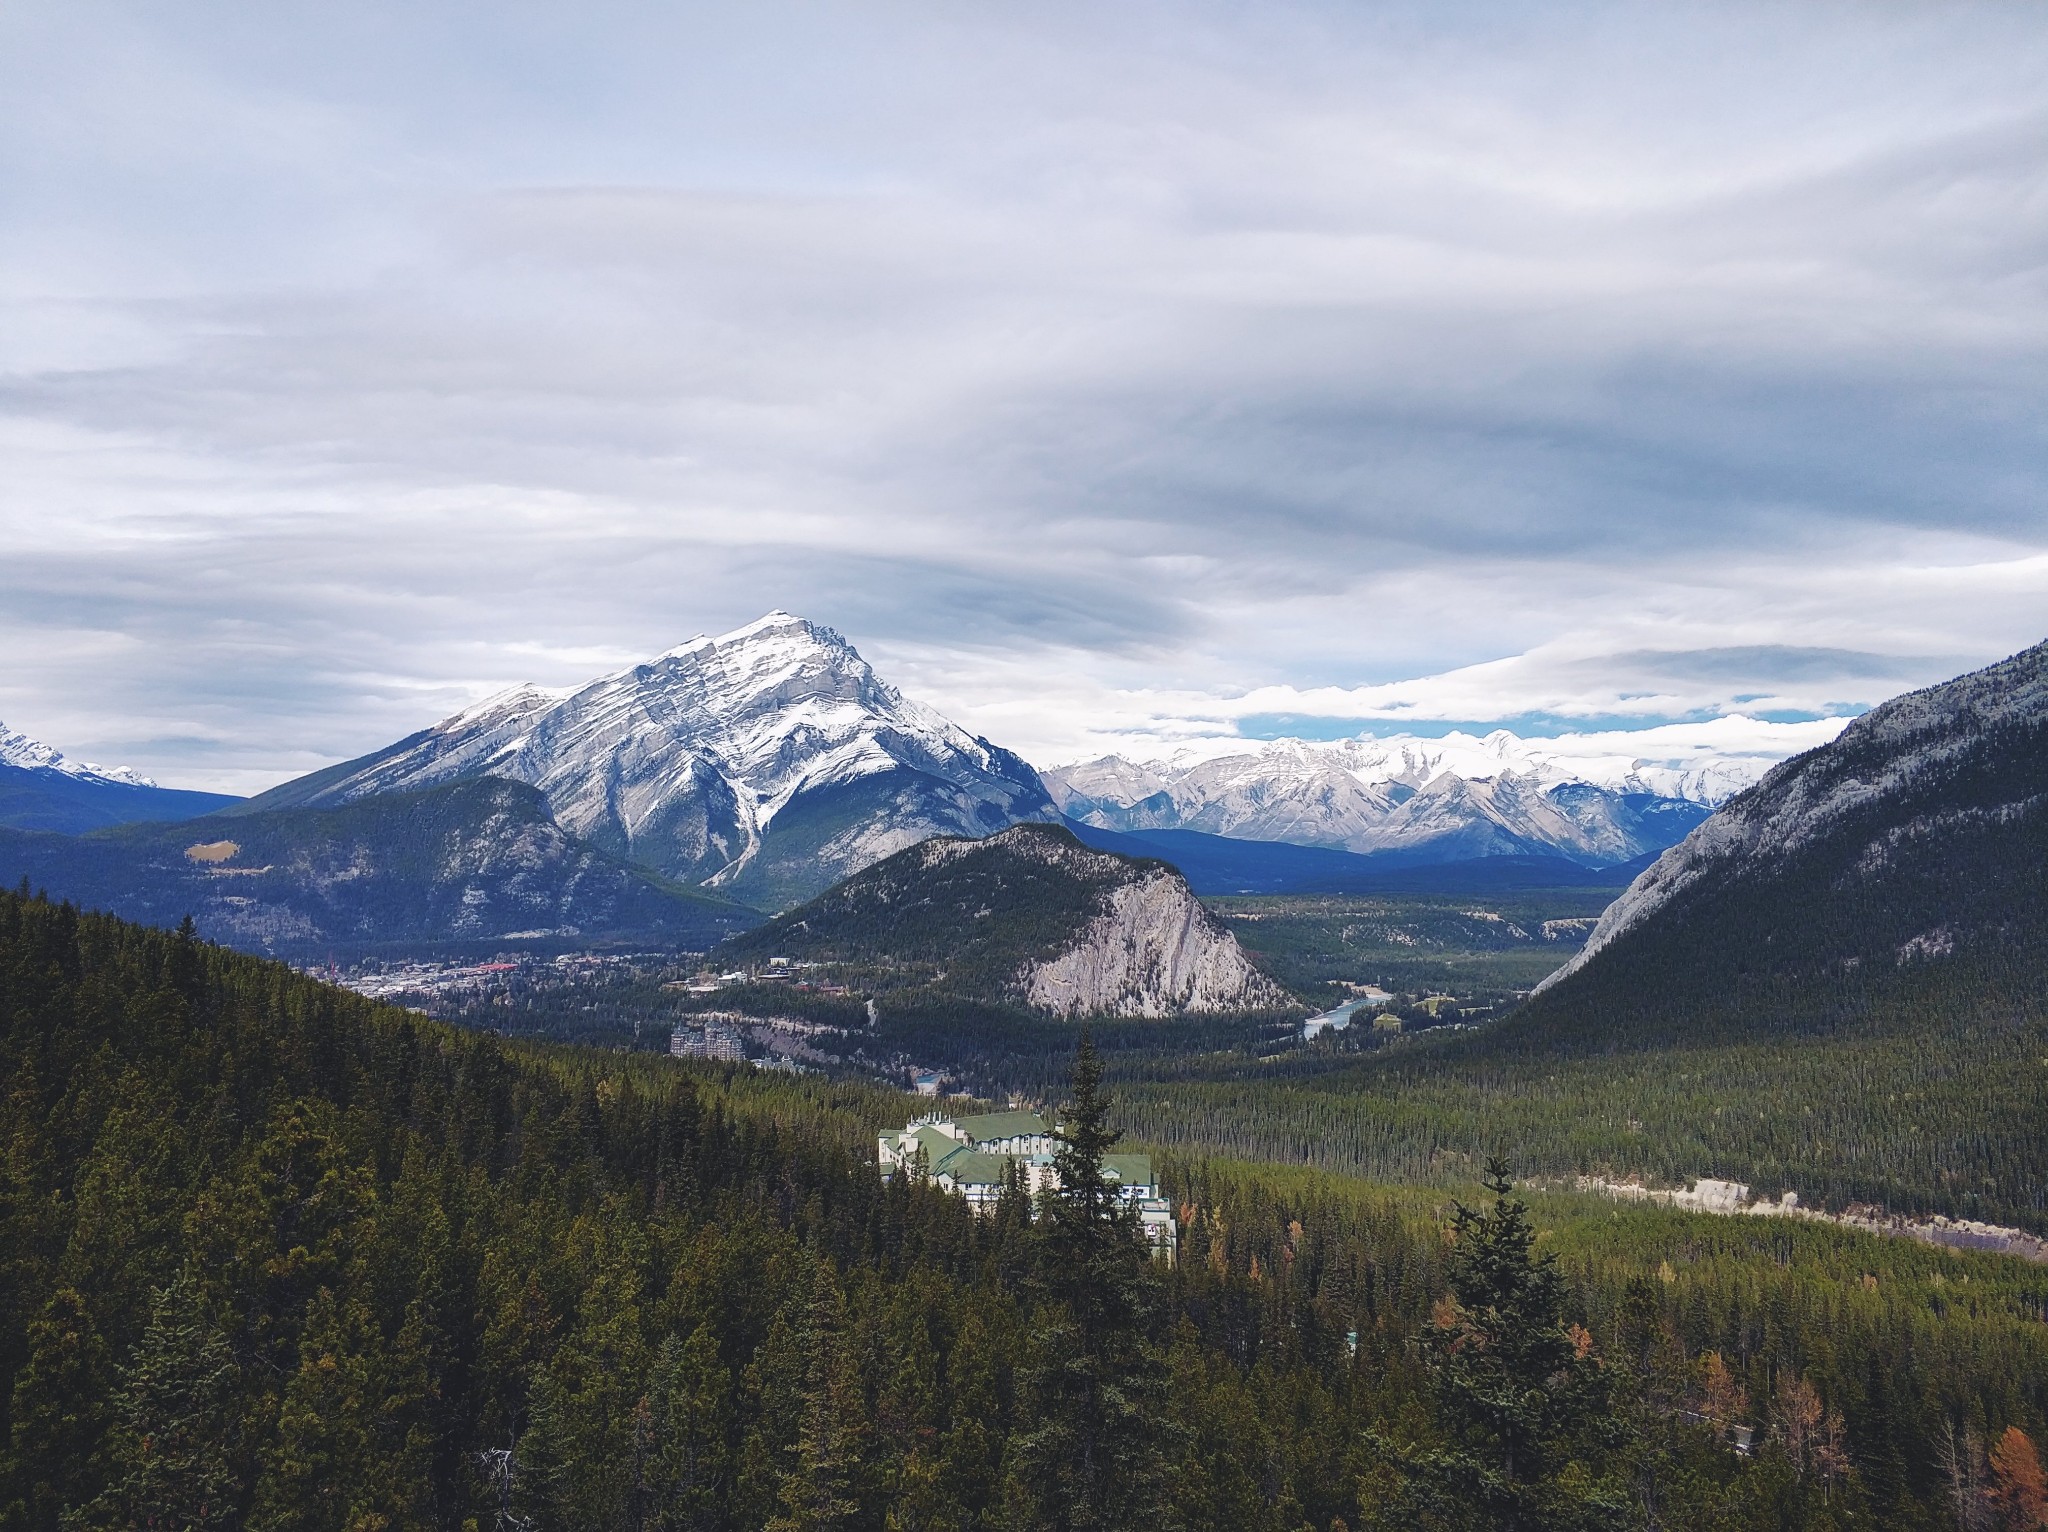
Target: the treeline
pixel 1478 945
pixel 273 1256
pixel 1932 1108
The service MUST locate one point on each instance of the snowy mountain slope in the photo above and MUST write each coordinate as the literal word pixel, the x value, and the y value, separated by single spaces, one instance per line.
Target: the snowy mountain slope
pixel 768 762
pixel 1406 798
pixel 1902 790
pixel 1029 916
pixel 42 789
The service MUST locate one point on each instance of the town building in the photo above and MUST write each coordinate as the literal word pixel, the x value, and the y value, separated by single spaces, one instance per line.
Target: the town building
pixel 971 1156
pixel 711 1041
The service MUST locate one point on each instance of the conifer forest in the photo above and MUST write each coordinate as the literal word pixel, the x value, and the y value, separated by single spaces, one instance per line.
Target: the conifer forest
pixel 277 1257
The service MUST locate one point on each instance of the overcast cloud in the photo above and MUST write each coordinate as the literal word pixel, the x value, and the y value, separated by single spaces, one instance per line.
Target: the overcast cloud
pixel 1111 375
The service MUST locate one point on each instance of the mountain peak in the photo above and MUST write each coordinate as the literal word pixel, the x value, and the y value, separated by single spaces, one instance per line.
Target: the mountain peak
pixel 684 762
pixel 27 754
pixel 772 625
pixel 1029 915
pixel 1443 799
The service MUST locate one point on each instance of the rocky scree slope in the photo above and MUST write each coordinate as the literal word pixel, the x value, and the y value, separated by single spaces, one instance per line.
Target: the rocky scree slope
pixel 767 762
pixel 43 789
pixel 1908 852
pixel 468 863
pixel 1028 916
pixel 1405 799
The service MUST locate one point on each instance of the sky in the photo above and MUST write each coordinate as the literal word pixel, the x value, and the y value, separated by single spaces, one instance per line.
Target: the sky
pixel 1114 376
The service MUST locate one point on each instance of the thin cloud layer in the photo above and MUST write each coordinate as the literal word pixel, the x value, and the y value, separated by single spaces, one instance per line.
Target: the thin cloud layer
pixel 1145 375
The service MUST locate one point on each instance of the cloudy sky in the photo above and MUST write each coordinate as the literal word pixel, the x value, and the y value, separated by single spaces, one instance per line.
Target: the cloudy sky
pixel 1112 373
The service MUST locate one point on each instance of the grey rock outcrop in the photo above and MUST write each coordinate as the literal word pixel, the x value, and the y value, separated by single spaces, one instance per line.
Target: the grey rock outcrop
pixel 1153 951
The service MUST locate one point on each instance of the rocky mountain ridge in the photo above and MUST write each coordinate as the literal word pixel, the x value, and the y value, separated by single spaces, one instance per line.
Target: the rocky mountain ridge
pixel 766 762
pixel 1901 791
pixel 1406 798
pixel 19 750
pixel 43 789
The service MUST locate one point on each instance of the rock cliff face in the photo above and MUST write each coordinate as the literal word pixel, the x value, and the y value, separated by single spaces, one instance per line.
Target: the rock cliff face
pixel 1027 916
pixel 1152 951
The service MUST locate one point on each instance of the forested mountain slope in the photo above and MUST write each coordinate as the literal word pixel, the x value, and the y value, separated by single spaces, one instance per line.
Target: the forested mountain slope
pixel 1904 858
pixel 463 865
pixel 1030 916
pixel 1838 987
pixel 274 1256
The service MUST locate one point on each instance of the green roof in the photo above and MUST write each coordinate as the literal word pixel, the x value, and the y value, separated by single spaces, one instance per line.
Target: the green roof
pixel 936 1144
pixel 970 1167
pixel 990 1125
pixel 1130 1169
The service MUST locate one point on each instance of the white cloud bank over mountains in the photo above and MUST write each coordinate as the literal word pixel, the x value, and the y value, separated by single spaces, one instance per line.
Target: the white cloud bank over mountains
pixel 1147 372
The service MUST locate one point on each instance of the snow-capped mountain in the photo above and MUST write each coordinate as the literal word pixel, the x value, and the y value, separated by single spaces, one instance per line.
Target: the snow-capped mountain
pixel 43 789
pixel 26 754
pixel 1917 831
pixel 769 761
pixel 1440 799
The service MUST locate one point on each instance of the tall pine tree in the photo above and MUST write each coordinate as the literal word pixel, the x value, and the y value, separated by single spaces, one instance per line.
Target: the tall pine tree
pixel 1094 1381
pixel 1522 1403
pixel 174 1425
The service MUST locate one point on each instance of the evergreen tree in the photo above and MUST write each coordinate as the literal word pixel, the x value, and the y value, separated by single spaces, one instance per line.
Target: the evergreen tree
pixel 174 1425
pixel 821 1490
pixel 689 1420
pixel 329 1468
pixel 586 1431
pixel 1094 1384
pixel 59 1408
pixel 1522 1403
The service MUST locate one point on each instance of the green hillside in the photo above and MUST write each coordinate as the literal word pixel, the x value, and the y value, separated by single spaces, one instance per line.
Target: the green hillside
pixel 954 922
pixel 273 1256
pixel 975 915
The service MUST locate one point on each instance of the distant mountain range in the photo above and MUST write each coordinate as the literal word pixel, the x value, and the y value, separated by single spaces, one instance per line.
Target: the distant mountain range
pixel 768 763
pixel 764 765
pixel 1406 799
pixel 1222 864
pixel 40 789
